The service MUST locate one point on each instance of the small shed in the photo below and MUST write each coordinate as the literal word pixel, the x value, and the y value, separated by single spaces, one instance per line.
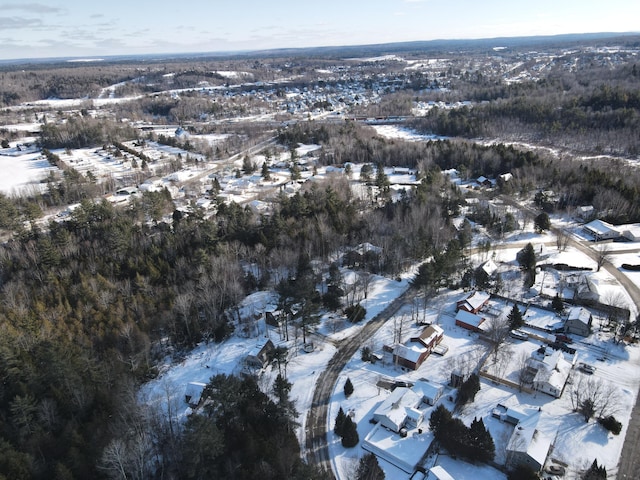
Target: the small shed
pixel 258 357
pixel 438 473
pixel 193 393
pixel 429 391
pixel 579 321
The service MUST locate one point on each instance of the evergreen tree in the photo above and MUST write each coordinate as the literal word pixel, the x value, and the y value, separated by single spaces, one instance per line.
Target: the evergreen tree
pixel 439 420
pixel 595 472
pixel 266 174
pixel 515 318
pixel 339 423
pixel 369 468
pixel 468 389
pixel 557 304
pixel 481 443
pixel 348 388
pixel 527 260
pixel 542 222
pixel 350 436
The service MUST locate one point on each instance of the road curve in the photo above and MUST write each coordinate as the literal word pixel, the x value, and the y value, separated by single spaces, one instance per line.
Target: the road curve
pixel 317 449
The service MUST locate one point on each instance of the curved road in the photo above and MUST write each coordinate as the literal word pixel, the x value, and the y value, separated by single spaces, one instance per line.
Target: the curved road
pixel 316 426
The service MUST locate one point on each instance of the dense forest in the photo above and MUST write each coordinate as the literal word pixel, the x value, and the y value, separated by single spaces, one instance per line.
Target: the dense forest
pixel 590 109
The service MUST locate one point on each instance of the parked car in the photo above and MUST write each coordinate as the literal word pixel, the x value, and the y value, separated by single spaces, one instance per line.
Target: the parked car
pixel 586 368
pixel 563 338
pixel 519 334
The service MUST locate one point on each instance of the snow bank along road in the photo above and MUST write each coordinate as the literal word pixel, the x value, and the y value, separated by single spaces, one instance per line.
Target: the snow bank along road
pixel 316 430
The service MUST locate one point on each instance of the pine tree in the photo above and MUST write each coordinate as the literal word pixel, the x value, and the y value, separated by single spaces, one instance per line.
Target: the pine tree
pixel 266 175
pixel 350 436
pixel 595 472
pixel 369 468
pixel 515 318
pixel 348 388
pixel 338 426
pixel 481 443
pixel 557 304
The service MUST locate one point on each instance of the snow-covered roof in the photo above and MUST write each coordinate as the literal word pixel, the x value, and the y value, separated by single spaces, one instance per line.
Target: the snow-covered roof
pixel 527 439
pixel 194 392
pixel 438 473
pixel 429 334
pixel 411 351
pixel 427 390
pixel 469 318
pixel 396 404
pixel 600 227
pixel 489 267
pixel 580 314
pixel 477 299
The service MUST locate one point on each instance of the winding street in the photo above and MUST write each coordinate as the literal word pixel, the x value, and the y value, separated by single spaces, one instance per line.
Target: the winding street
pixel 317 449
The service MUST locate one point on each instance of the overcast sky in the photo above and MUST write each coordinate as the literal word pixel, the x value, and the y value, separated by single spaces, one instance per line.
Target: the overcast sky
pixel 63 28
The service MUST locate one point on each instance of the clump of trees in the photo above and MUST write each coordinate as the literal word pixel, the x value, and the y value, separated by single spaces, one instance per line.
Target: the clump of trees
pixel 369 468
pixel 595 472
pixel 474 443
pixel 468 390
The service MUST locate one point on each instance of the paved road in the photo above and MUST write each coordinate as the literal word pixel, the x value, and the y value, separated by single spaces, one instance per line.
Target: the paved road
pixel 316 425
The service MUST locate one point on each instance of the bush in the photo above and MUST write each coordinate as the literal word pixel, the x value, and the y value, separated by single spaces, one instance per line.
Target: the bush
pixel 355 313
pixel 611 424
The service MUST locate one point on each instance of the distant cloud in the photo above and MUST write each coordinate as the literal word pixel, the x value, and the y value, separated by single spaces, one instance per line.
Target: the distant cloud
pixel 18 22
pixel 30 7
pixel 97 15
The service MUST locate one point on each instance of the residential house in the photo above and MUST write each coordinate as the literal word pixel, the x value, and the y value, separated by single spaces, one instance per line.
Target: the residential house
pixel 258 357
pixel 585 213
pixel 550 370
pixel 474 302
pixel 528 445
pixel 399 408
pixel 413 353
pixel 469 321
pixel 579 321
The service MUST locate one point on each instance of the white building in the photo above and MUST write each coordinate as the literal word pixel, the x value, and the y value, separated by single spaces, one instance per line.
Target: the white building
pixel 551 371
pixel 601 230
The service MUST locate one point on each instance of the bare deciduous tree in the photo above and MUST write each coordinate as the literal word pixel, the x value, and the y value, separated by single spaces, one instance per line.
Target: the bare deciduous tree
pixel 603 255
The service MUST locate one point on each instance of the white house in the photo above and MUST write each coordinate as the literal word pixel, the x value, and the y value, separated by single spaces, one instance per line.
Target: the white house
pixel 551 371
pixel 399 408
